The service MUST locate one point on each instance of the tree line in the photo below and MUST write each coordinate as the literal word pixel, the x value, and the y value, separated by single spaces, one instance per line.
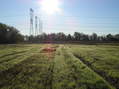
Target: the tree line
pixel 76 37
pixel 10 35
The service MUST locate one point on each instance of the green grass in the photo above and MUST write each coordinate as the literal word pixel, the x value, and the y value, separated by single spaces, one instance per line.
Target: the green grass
pixel 103 59
pixel 15 55
pixel 31 70
pixel 71 73
pixel 32 73
pixel 71 67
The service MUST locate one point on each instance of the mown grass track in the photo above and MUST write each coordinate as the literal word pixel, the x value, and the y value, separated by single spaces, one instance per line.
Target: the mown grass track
pixel 70 73
pixel 35 72
pixel 9 61
pixel 43 67
pixel 31 73
pixel 103 59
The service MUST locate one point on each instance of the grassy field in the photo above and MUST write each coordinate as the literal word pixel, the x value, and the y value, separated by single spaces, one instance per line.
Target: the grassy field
pixel 66 67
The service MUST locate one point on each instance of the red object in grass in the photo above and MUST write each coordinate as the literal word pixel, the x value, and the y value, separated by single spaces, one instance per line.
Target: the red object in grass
pixel 49 49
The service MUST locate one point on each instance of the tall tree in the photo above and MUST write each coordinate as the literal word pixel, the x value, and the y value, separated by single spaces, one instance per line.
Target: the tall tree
pixel 9 34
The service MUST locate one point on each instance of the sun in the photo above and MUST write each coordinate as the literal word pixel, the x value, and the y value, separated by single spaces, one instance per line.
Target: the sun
pixel 50 6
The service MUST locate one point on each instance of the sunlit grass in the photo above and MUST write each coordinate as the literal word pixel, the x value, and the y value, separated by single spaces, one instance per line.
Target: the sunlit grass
pixel 66 67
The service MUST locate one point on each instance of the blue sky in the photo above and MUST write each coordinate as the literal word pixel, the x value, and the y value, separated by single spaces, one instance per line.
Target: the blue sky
pixel 87 16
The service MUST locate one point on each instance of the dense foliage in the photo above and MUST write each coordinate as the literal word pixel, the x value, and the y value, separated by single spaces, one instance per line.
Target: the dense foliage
pixel 76 37
pixel 9 34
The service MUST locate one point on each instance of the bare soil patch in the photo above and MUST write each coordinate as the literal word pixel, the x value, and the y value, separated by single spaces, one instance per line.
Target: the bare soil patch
pixel 49 51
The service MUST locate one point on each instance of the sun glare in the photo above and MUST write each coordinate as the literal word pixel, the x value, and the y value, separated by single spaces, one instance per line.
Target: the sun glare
pixel 50 6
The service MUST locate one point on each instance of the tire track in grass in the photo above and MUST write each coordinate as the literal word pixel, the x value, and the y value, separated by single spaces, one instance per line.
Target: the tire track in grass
pixel 106 65
pixel 33 73
pixel 101 73
pixel 49 51
pixel 11 56
pixel 97 84
pixel 15 60
pixel 70 73
pixel 14 53
pixel 61 79
pixel 9 50
pixel 64 75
